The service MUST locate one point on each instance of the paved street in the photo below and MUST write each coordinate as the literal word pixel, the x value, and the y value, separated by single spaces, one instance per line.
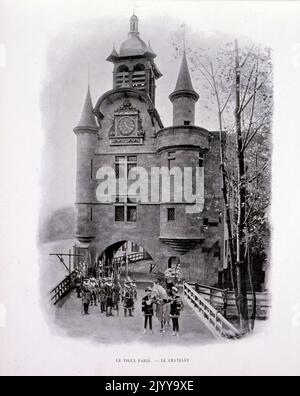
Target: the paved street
pixel 100 328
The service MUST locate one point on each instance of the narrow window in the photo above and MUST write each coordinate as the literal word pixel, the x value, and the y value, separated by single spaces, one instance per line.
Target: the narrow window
pixel 117 171
pixel 220 217
pixel 171 214
pixel 91 168
pixel 134 247
pixel 205 221
pixel 131 213
pixel 119 213
pixel 131 163
pixel 171 159
pixel 91 214
pixel 119 163
pixel 200 163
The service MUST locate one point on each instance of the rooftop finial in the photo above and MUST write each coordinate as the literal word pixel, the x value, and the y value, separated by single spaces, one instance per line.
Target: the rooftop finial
pixel 183 36
pixel 134 24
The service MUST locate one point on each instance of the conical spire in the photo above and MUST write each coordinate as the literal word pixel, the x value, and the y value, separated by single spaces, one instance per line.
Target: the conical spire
pixel 184 83
pixel 150 50
pixel 87 118
pixel 114 51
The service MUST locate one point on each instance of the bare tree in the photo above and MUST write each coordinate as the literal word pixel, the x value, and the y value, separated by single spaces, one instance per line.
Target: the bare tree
pixel 238 87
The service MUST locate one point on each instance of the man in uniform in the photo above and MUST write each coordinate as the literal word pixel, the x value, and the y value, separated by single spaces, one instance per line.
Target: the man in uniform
pixel 85 296
pixel 94 291
pixel 147 309
pixel 176 307
pixel 128 299
pixel 102 295
pixel 108 287
pixel 78 283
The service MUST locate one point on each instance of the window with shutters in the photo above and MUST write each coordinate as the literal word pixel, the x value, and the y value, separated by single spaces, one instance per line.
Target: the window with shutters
pixel 139 77
pixel 122 76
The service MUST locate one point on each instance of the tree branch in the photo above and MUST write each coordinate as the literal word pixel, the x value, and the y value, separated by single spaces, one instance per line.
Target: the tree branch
pixel 247 56
pixel 242 108
pixel 247 85
pixel 251 137
pixel 258 173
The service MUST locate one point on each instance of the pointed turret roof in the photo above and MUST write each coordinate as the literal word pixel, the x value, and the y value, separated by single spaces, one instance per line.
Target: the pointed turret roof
pixel 87 118
pixel 150 50
pixel 113 55
pixel 184 84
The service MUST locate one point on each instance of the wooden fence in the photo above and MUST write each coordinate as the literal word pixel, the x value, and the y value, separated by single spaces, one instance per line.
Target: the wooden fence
pixel 224 300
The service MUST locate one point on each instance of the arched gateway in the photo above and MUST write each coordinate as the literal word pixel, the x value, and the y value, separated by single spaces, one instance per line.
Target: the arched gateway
pixel 124 131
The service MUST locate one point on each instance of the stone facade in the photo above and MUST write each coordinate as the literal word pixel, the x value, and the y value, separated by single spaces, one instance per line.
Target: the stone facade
pixel 125 123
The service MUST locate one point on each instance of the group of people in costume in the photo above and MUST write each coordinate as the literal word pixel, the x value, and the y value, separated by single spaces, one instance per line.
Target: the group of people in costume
pixel 167 305
pixel 162 301
pixel 107 292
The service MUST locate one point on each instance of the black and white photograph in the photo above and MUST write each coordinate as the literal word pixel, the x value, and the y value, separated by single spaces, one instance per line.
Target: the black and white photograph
pixel 149 156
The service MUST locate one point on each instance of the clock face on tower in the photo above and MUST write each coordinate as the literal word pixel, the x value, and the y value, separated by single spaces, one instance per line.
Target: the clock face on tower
pixel 126 125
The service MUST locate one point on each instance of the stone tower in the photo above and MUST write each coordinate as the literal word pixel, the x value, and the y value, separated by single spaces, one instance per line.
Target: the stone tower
pixel 134 65
pixel 124 130
pixel 86 136
pixel 182 145
pixel 184 97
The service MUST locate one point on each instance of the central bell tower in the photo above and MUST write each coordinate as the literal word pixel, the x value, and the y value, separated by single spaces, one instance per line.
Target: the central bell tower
pixel 134 65
pixel 124 131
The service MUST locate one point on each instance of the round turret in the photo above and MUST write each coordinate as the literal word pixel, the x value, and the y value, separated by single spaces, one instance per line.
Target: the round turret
pixel 86 132
pixel 184 97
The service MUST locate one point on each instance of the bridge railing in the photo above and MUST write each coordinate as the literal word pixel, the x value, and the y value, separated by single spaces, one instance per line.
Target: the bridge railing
pixel 221 298
pixel 132 257
pixel 211 317
pixel 62 289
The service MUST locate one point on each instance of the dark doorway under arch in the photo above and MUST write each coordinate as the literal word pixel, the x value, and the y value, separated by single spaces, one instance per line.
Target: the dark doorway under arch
pixel 125 259
pixel 173 261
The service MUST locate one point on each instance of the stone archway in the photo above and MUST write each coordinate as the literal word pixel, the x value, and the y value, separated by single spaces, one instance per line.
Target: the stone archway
pixel 134 261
